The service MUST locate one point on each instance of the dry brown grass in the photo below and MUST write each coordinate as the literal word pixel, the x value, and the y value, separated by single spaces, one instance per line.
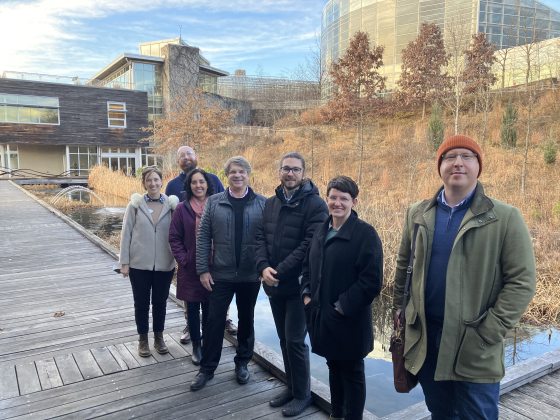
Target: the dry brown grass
pixel 399 169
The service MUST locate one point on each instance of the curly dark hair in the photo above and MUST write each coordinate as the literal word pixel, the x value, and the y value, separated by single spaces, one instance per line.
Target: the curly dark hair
pixel 187 184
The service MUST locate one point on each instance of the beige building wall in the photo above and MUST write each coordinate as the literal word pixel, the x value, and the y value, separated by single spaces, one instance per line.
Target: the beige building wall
pixel 47 159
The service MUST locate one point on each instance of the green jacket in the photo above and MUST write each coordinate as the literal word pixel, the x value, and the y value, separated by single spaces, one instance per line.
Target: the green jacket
pixel 490 281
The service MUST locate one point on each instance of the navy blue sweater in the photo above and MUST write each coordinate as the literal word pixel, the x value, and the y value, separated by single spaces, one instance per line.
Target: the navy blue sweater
pixel 447 225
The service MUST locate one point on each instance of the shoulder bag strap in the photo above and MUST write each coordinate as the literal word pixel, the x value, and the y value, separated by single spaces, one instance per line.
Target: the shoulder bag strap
pixel 409 273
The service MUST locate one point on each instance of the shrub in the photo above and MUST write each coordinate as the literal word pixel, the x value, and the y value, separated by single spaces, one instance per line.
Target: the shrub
pixel 549 151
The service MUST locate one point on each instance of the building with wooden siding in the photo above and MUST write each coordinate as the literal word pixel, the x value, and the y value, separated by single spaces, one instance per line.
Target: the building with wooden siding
pixel 56 128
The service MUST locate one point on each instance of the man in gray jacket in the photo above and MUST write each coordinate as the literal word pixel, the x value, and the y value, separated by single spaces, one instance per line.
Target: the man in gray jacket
pixel 227 238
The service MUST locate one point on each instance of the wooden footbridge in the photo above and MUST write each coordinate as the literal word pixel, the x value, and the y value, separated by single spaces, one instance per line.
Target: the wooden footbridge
pixel 68 340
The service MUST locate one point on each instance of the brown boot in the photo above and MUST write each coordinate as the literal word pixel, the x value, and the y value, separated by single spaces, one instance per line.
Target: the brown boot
pixel 144 346
pixel 159 343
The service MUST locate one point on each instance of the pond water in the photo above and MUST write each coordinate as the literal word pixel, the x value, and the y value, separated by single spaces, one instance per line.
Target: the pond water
pixel 381 398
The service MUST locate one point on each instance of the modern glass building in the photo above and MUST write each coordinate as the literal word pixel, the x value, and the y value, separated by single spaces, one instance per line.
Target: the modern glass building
pixel 158 61
pixel 394 23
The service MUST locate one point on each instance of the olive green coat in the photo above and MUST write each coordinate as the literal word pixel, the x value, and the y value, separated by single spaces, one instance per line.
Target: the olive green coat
pixel 490 281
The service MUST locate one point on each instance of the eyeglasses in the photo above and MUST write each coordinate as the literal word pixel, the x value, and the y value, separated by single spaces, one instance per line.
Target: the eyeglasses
pixel 287 169
pixel 465 157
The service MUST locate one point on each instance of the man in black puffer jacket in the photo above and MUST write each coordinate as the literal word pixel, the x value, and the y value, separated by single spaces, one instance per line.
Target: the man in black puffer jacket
pixel 289 222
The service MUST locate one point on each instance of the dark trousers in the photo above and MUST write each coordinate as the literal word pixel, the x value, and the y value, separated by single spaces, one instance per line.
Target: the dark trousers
pixel 144 283
pixel 220 298
pixel 347 381
pixel 193 318
pixel 455 400
pixel 289 317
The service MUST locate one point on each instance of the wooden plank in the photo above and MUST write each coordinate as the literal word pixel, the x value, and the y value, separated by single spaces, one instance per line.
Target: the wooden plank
pixel 543 392
pixel 69 371
pixel 508 414
pixel 87 365
pixel 48 373
pixel 177 350
pixel 126 356
pixel 27 377
pixel 528 406
pixel 118 358
pixel 105 360
pixel 8 382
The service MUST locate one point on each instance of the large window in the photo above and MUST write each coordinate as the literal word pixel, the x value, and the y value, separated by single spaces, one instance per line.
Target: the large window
pixel 119 159
pixel 9 157
pixel 28 109
pixel 81 159
pixel 116 114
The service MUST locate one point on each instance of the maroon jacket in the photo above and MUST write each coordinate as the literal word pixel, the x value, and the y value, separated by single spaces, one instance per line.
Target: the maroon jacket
pixel 182 238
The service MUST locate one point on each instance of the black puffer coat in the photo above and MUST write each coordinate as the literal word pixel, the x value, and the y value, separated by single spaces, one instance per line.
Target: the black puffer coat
pixel 347 269
pixel 285 233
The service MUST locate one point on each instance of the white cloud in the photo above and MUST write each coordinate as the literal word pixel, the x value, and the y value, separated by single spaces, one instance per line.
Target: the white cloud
pixel 62 36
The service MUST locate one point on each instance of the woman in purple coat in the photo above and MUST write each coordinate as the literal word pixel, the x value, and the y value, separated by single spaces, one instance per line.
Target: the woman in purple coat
pixel 182 238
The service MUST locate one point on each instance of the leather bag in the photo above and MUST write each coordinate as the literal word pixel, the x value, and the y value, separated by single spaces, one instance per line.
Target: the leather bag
pixel 403 380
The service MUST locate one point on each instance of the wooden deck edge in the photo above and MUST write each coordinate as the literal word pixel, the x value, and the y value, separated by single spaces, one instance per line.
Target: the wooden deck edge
pixel 516 376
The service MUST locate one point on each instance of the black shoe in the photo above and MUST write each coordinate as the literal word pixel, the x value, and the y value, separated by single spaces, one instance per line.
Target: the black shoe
pixel 200 380
pixel 186 336
pixel 196 353
pixel 242 374
pixel 296 407
pixel 281 399
pixel 230 327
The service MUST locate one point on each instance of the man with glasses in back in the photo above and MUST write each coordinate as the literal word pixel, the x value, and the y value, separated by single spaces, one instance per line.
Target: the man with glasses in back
pixel 473 277
pixel 187 161
pixel 289 220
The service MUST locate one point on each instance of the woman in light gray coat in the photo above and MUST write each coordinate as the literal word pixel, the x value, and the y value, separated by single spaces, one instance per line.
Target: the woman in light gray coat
pixel 146 257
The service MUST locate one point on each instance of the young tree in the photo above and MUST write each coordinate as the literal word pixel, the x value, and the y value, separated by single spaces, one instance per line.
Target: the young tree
pixel 508 133
pixel 478 74
pixel 358 84
pixel 424 59
pixel 194 118
pixel 435 127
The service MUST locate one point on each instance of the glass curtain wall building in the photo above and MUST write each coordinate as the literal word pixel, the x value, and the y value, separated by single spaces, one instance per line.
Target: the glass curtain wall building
pixel 394 23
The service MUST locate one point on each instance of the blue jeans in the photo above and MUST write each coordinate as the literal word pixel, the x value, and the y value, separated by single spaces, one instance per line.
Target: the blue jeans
pixel 451 400
pixel 289 318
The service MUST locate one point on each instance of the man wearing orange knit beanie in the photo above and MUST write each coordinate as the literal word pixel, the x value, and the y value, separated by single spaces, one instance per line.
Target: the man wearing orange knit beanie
pixel 473 277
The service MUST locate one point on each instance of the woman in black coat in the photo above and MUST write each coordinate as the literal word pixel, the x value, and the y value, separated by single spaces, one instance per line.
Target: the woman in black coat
pixel 342 274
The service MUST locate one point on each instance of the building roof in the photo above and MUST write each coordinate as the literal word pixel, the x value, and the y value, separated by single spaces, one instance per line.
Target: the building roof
pixel 122 60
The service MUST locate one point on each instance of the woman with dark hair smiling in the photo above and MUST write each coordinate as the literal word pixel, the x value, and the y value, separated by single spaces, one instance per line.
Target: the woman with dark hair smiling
pixel 182 238
pixel 342 274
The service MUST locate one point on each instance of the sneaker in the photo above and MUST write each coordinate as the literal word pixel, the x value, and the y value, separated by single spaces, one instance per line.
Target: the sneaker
pixel 186 336
pixel 200 380
pixel 242 374
pixel 230 327
pixel 296 407
pixel 281 399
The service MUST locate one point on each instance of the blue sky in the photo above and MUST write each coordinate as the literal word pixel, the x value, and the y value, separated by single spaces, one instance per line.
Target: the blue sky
pixel 79 37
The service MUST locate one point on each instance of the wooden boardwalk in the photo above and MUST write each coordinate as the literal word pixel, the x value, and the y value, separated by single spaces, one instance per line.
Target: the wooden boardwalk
pixel 68 338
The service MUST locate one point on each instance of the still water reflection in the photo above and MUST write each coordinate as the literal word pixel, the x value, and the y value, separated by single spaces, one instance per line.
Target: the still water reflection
pixel 381 397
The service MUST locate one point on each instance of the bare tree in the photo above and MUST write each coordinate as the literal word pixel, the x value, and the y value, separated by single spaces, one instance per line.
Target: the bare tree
pixel 194 118
pixel 457 37
pixel 423 78
pixel 358 84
